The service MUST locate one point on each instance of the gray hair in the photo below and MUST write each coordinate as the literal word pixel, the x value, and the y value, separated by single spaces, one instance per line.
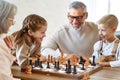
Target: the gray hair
pixel 6 9
pixel 78 4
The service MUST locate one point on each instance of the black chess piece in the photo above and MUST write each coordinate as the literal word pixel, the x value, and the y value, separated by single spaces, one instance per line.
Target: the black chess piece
pixel 68 66
pixel 36 63
pixel 81 60
pixel 57 65
pixel 40 64
pixel 93 62
pixel 48 65
pixel 74 69
pixel 83 67
pixel 30 62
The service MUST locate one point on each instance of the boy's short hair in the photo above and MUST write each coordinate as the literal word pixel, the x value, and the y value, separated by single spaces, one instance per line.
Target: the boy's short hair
pixel 109 20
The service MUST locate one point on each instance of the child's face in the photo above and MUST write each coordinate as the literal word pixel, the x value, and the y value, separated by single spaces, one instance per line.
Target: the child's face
pixel 39 34
pixel 106 32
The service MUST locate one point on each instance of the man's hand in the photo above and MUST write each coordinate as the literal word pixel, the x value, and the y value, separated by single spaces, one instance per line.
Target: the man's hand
pixel 9 40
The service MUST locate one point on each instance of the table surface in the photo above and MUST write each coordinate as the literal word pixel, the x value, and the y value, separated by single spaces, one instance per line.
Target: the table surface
pixel 104 74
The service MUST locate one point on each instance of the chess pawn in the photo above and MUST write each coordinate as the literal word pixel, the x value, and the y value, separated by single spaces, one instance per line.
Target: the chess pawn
pixel 74 69
pixel 93 62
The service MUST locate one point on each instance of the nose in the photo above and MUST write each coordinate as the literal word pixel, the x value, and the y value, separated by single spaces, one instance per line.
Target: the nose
pixel 75 20
pixel 100 32
pixel 44 35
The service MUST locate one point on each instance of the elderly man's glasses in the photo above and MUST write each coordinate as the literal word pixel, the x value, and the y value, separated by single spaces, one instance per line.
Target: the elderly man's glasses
pixel 75 17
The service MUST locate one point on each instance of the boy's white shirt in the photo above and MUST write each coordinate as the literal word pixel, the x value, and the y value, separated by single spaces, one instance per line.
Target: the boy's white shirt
pixel 107 49
pixel 6 61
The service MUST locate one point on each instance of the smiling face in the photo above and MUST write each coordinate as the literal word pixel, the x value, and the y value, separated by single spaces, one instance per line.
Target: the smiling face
pixel 39 34
pixel 77 17
pixel 106 33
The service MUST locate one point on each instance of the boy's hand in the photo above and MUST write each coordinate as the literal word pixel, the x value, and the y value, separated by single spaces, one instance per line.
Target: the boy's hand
pixel 104 64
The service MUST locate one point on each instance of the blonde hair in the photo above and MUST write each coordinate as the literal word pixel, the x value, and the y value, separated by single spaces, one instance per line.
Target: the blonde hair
pixel 109 20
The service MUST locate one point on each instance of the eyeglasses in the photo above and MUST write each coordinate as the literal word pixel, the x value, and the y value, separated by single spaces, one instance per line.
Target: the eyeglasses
pixel 75 17
pixel 11 19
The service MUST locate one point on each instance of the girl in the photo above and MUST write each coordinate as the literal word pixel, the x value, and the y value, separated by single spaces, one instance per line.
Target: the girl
pixel 28 39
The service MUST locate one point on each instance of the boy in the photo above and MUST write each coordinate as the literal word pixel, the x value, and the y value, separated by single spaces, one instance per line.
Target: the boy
pixel 107 50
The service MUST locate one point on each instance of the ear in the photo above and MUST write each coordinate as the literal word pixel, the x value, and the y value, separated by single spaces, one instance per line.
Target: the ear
pixel 86 15
pixel 30 32
pixel 114 29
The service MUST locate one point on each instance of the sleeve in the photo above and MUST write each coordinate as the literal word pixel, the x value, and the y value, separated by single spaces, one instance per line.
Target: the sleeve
pixel 117 62
pixel 95 52
pixel 22 54
pixel 49 46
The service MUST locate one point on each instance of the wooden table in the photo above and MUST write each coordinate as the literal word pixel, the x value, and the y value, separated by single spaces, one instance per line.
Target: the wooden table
pixel 104 74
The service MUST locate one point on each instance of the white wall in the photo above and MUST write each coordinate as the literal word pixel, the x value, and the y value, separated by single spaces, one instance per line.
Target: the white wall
pixel 55 11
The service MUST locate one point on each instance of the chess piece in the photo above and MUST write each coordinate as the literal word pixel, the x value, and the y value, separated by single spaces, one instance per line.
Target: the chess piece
pixel 40 64
pixel 28 69
pixel 93 62
pixel 30 62
pixel 36 63
pixel 81 60
pixel 48 65
pixel 68 66
pixel 57 65
pixel 83 68
pixel 49 58
pixel 74 69
pixel 87 62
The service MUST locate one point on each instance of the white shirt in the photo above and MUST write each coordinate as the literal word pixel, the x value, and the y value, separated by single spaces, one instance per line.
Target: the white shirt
pixel 6 60
pixel 70 40
pixel 107 49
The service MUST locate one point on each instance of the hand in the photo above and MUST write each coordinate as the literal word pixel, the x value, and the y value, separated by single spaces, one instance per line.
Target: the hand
pixel 104 64
pixel 72 56
pixel 42 58
pixel 73 59
pixel 9 40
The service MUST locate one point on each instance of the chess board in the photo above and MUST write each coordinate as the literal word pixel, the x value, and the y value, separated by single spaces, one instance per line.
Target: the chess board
pixel 62 73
